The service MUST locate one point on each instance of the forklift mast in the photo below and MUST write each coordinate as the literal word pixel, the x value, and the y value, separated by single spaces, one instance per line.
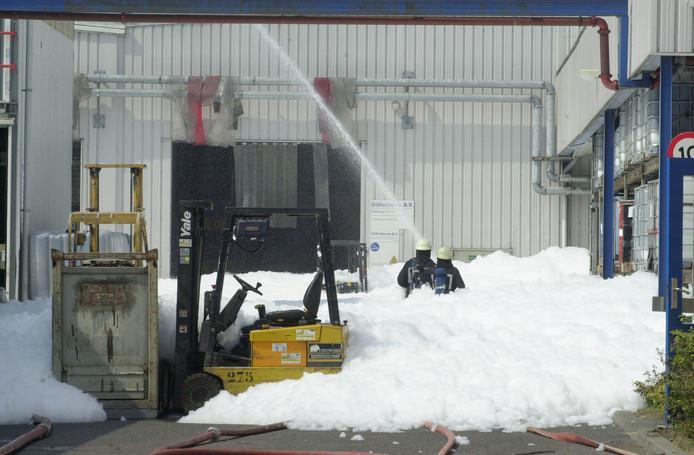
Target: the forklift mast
pixel 187 356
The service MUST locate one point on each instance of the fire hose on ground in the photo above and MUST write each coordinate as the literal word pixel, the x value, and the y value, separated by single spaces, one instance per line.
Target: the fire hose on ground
pixel 578 439
pixel 191 446
pixel 42 429
pixel 450 437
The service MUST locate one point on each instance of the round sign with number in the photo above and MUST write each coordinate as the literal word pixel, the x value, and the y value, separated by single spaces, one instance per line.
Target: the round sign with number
pixel 682 146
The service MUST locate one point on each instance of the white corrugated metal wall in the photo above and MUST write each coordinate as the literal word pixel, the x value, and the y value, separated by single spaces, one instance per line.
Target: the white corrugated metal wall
pixel 579 101
pixel 579 228
pixel 466 166
pixel 40 165
pixel 659 27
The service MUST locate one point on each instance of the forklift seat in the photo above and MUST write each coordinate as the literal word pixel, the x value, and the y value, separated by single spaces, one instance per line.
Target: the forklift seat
pixel 311 304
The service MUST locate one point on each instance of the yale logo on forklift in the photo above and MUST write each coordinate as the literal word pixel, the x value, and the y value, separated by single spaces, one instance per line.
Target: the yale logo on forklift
pixel 186 223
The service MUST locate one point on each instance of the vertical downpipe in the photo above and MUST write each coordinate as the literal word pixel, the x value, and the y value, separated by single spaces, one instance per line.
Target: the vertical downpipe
pixel 22 130
pixel 608 196
pixel 563 210
pixel 535 147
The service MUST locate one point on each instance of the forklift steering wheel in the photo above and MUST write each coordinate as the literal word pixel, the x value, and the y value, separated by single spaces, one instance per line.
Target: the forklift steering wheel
pixel 247 287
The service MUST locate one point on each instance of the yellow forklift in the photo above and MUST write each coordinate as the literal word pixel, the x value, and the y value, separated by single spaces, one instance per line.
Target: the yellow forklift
pixel 279 345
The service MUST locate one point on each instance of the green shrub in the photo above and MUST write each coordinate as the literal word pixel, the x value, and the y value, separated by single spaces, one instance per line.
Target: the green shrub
pixel 681 381
pixel 652 388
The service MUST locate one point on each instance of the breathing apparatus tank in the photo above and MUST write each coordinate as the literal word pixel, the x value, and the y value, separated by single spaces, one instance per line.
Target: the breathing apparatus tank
pixel 440 281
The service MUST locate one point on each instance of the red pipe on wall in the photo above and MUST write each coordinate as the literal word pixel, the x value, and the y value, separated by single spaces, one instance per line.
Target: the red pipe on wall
pixel 600 23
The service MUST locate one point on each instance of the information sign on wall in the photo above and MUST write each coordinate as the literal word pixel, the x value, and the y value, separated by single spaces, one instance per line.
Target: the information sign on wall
pixel 387 218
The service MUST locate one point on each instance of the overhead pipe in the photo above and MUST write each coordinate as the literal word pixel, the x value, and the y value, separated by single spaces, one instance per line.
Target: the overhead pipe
pixel 131 93
pixel 551 145
pixel 536 170
pixel 101 78
pixel 600 23
pixel 433 97
pixel 548 87
pixel 426 97
pixel 360 82
pixel 574 159
pixel 363 96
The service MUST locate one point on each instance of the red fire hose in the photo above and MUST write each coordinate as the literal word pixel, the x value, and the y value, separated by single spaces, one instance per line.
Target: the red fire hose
pixel 450 437
pixel 42 430
pixel 213 434
pixel 243 451
pixel 188 446
pixel 578 439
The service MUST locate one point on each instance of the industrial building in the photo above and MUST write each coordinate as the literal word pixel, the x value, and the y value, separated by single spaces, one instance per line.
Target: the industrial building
pixel 478 169
pixel 483 126
pixel 480 152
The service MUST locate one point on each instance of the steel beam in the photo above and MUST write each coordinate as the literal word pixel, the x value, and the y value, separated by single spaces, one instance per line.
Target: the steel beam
pixel 608 196
pixel 312 8
pixel 664 176
pixel 623 50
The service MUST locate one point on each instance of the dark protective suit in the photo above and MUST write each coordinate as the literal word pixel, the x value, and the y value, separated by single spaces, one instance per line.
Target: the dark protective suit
pixel 453 280
pixel 417 271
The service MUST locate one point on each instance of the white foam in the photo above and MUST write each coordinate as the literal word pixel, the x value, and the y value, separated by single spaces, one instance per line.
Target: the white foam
pixel 533 341
pixel 27 385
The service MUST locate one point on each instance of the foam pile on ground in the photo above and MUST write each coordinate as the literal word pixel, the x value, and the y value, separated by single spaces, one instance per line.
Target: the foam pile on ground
pixel 532 342
pixel 27 385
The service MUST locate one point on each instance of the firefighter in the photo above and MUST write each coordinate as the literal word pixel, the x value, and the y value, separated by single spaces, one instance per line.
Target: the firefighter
pixel 446 277
pixel 417 271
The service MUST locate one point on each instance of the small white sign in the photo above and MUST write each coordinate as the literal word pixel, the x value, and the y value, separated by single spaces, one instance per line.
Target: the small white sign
pixel 291 358
pixel 305 334
pixel 279 347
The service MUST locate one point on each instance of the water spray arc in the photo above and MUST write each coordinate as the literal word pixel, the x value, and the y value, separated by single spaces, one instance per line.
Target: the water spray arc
pixel 337 126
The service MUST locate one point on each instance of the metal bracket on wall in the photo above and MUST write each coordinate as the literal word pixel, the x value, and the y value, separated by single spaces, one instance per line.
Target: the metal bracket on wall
pixel 99 120
pixel 407 121
pixel 658 303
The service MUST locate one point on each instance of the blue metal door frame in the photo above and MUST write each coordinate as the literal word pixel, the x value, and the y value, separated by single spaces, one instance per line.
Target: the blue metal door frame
pixel 664 246
pixel 670 227
pixel 672 209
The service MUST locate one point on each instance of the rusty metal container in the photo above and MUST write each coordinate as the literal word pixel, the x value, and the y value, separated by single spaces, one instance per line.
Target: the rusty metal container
pixel 105 328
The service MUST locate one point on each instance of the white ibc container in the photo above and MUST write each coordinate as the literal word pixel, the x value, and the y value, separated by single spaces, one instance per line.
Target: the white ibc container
pixel 41 244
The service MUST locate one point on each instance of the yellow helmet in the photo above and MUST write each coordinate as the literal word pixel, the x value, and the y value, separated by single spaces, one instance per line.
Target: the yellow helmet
pixel 444 253
pixel 423 245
